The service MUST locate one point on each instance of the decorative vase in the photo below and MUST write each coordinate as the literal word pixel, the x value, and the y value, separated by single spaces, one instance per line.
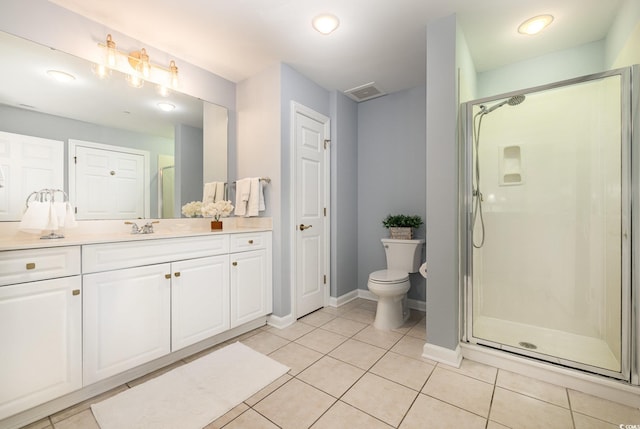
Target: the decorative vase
pixel 216 225
pixel 401 233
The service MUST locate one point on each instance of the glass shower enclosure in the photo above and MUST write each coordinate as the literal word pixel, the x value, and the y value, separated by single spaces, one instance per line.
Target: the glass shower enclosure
pixel 546 192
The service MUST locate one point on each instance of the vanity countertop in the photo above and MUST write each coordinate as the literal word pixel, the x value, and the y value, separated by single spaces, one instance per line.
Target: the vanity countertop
pixel 94 232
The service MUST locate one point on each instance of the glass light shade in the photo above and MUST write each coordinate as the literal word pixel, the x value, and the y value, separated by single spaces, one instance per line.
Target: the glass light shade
pixel 326 23
pixel 535 25
pixel 135 81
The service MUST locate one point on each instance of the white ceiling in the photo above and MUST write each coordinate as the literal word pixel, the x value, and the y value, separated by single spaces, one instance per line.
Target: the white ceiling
pixel 378 40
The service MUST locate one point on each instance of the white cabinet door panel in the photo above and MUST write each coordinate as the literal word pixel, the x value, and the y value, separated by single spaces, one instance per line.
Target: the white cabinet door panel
pixel 40 330
pixel 249 298
pixel 199 300
pixel 127 319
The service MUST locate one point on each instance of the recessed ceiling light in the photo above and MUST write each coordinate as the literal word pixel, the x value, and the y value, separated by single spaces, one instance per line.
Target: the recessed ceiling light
pixel 325 23
pixel 61 76
pixel 167 107
pixel 535 25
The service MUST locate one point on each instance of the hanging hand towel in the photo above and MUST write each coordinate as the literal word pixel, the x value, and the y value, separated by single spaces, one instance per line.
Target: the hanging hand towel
pixel 243 189
pixel 219 192
pixel 253 206
pixel 36 218
pixel 209 193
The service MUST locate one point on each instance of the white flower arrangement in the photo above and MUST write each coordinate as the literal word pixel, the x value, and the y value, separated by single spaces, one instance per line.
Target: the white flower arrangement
pixel 218 209
pixel 192 209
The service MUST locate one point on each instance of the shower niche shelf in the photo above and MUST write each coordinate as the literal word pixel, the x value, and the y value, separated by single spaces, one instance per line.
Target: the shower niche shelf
pixel 510 165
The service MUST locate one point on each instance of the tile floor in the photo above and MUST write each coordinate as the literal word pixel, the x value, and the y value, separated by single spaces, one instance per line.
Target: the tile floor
pixel 346 374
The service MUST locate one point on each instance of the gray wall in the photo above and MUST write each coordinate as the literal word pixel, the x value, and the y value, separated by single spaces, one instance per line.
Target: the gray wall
pixel 188 153
pixel 391 174
pixel 442 185
pixel 22 121
pixel 344 194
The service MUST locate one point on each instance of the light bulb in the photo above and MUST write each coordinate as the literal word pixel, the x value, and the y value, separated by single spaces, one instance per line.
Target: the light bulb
pixel 173 69
pixel 135 81
pixel 111 57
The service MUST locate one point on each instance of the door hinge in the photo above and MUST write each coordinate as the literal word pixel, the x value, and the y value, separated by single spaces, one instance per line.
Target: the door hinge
pixel 327 142
pixel 325 212
pixel 75 209
pixel 75 159
pixel 325 279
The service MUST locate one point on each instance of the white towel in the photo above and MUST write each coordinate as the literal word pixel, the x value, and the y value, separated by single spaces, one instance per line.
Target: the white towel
pixel 219 192
pixel 243 189
pixel 209 193
pixel 262 207
pixel 35 218
pixel 253 205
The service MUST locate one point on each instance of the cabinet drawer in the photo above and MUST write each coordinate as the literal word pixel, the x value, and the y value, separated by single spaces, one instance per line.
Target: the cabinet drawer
pixel 113 256
pixel 248 241
pixel 20 266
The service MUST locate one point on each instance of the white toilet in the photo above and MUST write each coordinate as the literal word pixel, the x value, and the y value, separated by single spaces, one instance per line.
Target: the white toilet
pixel 391 285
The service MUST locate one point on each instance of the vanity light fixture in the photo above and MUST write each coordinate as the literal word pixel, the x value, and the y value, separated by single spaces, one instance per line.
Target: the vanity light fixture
pixel 325 23
pixel 61 76
pixel 535 25
pixel 137 66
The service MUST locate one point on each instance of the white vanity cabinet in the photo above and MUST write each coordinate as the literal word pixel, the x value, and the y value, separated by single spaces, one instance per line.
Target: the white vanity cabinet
pixel 147 303
pixel 251 286
pixel 40 326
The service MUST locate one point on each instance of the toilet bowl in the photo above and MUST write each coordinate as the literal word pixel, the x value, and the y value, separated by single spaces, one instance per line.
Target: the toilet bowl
pixel 390 286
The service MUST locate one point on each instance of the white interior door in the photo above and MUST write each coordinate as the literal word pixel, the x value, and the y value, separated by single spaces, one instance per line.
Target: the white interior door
pixel 108 182
pixel 311 132
pixel 27 164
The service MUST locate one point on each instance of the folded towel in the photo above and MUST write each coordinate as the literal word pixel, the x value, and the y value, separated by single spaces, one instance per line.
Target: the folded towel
pixel 243 189
pixel 253 205
pixel 219 192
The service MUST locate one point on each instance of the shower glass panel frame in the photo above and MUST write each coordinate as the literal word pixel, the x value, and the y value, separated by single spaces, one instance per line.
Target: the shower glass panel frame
pixel 507 319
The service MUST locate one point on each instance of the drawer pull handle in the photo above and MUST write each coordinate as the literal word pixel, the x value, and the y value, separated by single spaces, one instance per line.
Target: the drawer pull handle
pixel 167 276
pixel 250 241
pixel 177 274
pixel 31 266
pixel 234 264
pixel 75 292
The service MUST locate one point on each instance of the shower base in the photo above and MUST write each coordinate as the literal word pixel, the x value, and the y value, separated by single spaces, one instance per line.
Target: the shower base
pixel 556 346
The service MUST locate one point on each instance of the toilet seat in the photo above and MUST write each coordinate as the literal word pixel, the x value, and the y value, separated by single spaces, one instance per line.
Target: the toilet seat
pixel 389 276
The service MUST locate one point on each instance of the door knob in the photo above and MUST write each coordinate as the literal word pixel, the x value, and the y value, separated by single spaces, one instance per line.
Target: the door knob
pixel 302 227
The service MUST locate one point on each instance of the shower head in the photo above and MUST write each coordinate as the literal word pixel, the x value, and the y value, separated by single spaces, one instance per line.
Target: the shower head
pixel 513 101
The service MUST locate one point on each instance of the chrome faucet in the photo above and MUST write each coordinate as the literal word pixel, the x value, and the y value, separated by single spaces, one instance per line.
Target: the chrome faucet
pixel 147 228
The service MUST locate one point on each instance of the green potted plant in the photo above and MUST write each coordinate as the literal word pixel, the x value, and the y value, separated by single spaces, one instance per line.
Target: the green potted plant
pixel 402 226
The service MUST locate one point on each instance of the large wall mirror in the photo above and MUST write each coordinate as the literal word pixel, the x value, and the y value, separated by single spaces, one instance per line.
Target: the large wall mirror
pixel 106 115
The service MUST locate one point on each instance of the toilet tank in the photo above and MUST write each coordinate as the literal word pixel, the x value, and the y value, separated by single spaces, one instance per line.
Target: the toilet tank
pixel 403 255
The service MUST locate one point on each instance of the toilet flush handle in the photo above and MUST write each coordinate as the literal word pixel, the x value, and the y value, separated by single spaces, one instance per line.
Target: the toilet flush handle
pixel 302 227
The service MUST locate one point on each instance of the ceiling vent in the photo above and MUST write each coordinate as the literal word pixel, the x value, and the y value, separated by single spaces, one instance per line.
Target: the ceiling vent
pixel 364 92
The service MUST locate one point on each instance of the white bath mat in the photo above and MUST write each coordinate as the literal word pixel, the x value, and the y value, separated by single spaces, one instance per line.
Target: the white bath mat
pixel 193 395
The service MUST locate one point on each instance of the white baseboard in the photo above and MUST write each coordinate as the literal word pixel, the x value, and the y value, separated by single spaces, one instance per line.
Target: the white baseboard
pixel 443 355
pixel 280 322
pixel 343 299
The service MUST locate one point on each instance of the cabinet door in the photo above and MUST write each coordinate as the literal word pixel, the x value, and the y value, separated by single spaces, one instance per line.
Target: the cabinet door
pixel 199 299
pixel 40 333
pixel 127 316
pixel 249 298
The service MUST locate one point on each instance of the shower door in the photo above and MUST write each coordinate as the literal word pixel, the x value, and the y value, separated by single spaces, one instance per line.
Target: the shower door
pixel 547 208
